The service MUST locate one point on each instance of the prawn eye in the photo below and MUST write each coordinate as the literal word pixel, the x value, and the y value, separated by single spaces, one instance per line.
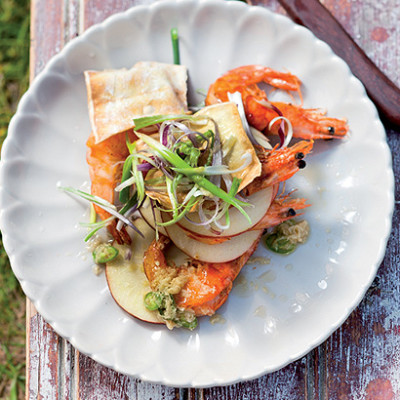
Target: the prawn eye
pixel 331 130
pixel 301 164
pixel 299 155
pixel 291 212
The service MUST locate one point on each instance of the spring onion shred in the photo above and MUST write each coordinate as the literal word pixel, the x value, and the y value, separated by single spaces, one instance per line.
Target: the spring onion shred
pixel 185 157
pixel 152 205
pixel 103 204
pixel 126 181
pixel 217 169
pixel 144 122
pixel 138 176
pixel 124 184
pixel 95 226
pixel 175 45
pixel 176 161
pixel 183 166
pixel 93 215
pixel 236 98
pixel 127 214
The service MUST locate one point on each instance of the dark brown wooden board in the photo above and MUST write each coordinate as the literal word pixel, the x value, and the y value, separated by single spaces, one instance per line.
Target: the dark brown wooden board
pixel 315 16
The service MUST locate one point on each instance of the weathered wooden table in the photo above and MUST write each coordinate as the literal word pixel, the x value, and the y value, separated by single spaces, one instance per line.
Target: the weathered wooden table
pixel 359 361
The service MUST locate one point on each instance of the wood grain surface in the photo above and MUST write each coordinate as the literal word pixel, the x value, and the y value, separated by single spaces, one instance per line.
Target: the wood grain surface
pixel 384 93
pixel 359 361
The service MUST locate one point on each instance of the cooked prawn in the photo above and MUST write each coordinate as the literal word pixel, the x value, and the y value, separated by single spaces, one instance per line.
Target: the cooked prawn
pixel 278 165
pixel 206 286
pixel 307 123
pixel 105 160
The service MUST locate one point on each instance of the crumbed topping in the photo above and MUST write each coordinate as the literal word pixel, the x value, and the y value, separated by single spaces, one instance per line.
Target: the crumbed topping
pixel 171 279
pixel 296 233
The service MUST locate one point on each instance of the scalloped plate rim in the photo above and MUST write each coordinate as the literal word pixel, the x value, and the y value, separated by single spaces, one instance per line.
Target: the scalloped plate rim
pixel 163 380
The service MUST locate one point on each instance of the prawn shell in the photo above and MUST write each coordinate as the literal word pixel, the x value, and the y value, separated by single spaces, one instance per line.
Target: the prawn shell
pixel 307 124
pixel 208 284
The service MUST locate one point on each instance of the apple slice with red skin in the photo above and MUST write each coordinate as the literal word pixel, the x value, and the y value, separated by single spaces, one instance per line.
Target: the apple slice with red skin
pixel 152 216
pixel 215 253
pixel 126 279
pixel 128 283
pixel 261 202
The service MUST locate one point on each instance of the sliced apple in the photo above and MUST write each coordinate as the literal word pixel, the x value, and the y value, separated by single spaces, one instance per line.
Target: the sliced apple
pixel 221 238
pixel 216 253
pixel 260 202
pixel 206 239
pixel 126 279
pixel 147 214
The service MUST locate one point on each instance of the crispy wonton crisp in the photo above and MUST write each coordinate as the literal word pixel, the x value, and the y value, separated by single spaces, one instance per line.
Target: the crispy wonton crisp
pixel 116 97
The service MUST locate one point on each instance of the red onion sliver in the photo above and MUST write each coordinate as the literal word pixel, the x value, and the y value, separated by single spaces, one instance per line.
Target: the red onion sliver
pixel 281 132
pixel 164 130
pixel 144 167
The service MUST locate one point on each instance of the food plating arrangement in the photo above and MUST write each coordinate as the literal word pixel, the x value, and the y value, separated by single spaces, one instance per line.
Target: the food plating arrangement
pixel 192 180
pixel 205 180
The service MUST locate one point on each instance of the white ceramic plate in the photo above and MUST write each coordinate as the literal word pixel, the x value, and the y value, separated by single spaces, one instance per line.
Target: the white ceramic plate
pixel 276 312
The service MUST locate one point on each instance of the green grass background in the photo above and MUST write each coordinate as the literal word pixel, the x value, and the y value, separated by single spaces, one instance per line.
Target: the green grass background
pixel 14 78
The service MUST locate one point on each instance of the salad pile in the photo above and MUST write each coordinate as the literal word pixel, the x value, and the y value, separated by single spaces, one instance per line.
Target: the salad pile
pixel 187 196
